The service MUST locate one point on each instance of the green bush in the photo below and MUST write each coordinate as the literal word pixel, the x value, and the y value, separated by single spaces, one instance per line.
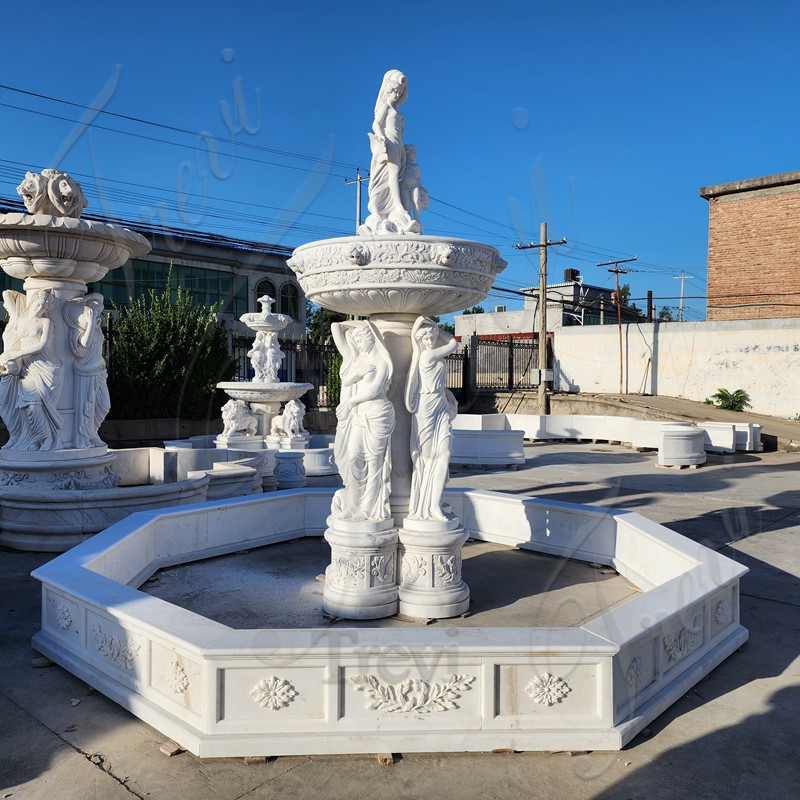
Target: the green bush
pixel 167 354
pixel 738 400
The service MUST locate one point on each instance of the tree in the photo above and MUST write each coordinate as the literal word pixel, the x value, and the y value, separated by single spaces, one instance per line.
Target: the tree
pixel 665 314
pixel 318 322
pixel 445 326
pixel 473 310
pixel 627 306
pixel 167 354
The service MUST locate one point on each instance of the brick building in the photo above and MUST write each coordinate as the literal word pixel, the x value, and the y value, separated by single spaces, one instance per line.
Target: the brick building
pixel 754 248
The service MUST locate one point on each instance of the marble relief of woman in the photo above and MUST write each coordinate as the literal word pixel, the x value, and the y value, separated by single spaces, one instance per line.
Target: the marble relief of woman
pixel 31 373
pixel 388 213
pixel 366 420
pixel 92 403
pixel 433 409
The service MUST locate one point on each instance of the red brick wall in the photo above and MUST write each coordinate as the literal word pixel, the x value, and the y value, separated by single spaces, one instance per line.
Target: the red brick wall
pixel 754 254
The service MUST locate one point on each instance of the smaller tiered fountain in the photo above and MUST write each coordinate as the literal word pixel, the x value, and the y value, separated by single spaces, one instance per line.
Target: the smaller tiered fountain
pixel 253 419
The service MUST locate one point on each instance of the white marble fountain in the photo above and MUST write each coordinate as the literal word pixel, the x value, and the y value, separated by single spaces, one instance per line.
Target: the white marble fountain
pixel 265 414
pixel 396 546
pixel 59 482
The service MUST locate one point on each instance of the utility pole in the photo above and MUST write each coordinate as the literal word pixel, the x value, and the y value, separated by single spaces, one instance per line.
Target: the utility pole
pixel 542 244
pixel 357 181
pixel 682 277
pixel 617 272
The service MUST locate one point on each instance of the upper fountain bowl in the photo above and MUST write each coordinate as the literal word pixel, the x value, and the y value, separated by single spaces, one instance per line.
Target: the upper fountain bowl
pixel 64 248
pixel 424 275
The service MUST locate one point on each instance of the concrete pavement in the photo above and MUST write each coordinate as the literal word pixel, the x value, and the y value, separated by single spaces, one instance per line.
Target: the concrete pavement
pixel 733 736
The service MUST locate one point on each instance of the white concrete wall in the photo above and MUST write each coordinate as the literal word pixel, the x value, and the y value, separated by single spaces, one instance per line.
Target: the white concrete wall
pixel 494 322
pixel 687 359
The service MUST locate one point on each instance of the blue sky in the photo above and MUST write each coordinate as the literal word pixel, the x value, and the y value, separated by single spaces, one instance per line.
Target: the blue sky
pixel 604 119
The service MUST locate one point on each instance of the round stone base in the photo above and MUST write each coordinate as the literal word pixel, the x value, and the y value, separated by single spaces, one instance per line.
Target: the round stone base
pixel 360 582
pixel 59 470
pixel 430 581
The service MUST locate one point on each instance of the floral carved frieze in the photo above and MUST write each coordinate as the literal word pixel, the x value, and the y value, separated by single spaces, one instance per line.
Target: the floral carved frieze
pixel 547 689
pixel 333 255
pixel 119 652
pixel 83 481
pixel 677 647
pixel 348 570
pixel 273 693
pixel 412 695
pixel 14 478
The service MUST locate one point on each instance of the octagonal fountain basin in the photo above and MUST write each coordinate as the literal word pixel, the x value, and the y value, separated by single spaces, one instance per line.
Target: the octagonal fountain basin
pixel 358 687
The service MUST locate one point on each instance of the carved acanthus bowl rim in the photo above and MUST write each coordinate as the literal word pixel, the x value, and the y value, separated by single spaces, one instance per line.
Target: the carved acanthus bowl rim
pixel 396 274
pixel 78 248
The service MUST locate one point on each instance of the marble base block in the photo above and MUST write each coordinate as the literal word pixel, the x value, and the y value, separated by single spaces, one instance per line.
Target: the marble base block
pixel 430 576
pixel 277 442
pixel 290 472
pixel 360 582
pixel 239 442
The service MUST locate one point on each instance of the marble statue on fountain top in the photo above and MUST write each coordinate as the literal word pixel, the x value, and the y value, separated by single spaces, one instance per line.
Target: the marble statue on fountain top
pixel 395 192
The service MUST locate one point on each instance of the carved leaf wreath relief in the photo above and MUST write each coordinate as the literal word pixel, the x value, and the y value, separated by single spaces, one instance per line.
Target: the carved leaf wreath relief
pixel 681 645
pixel 412 695
pixel 116 650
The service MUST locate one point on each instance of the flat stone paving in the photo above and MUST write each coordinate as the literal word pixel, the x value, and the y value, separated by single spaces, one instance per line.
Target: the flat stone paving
pixel 734 736
pixel 277 587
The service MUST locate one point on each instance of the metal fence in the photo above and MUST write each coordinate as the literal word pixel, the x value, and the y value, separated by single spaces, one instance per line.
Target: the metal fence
pixel 501 365
pixel 507 364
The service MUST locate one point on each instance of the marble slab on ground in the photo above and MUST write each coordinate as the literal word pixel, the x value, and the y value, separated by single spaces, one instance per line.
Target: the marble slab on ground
pixel 277 587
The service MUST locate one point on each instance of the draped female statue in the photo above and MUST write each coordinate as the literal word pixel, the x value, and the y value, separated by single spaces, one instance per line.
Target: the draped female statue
pixel 365 423
pixel 433 409
pixel 84 316
pixel 388 211
pixel 31 374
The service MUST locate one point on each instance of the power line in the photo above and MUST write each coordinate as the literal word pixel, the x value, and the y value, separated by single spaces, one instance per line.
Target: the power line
pixel 173 128
pixel 162 141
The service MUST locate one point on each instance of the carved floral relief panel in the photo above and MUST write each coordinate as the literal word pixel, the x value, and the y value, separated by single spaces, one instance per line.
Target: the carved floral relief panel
pixel 273 696
pixel 434 693
pixel 556 692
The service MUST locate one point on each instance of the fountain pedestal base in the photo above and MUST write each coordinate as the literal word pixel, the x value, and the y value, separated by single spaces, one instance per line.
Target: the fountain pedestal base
pixel 430 579
pixel 360 582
